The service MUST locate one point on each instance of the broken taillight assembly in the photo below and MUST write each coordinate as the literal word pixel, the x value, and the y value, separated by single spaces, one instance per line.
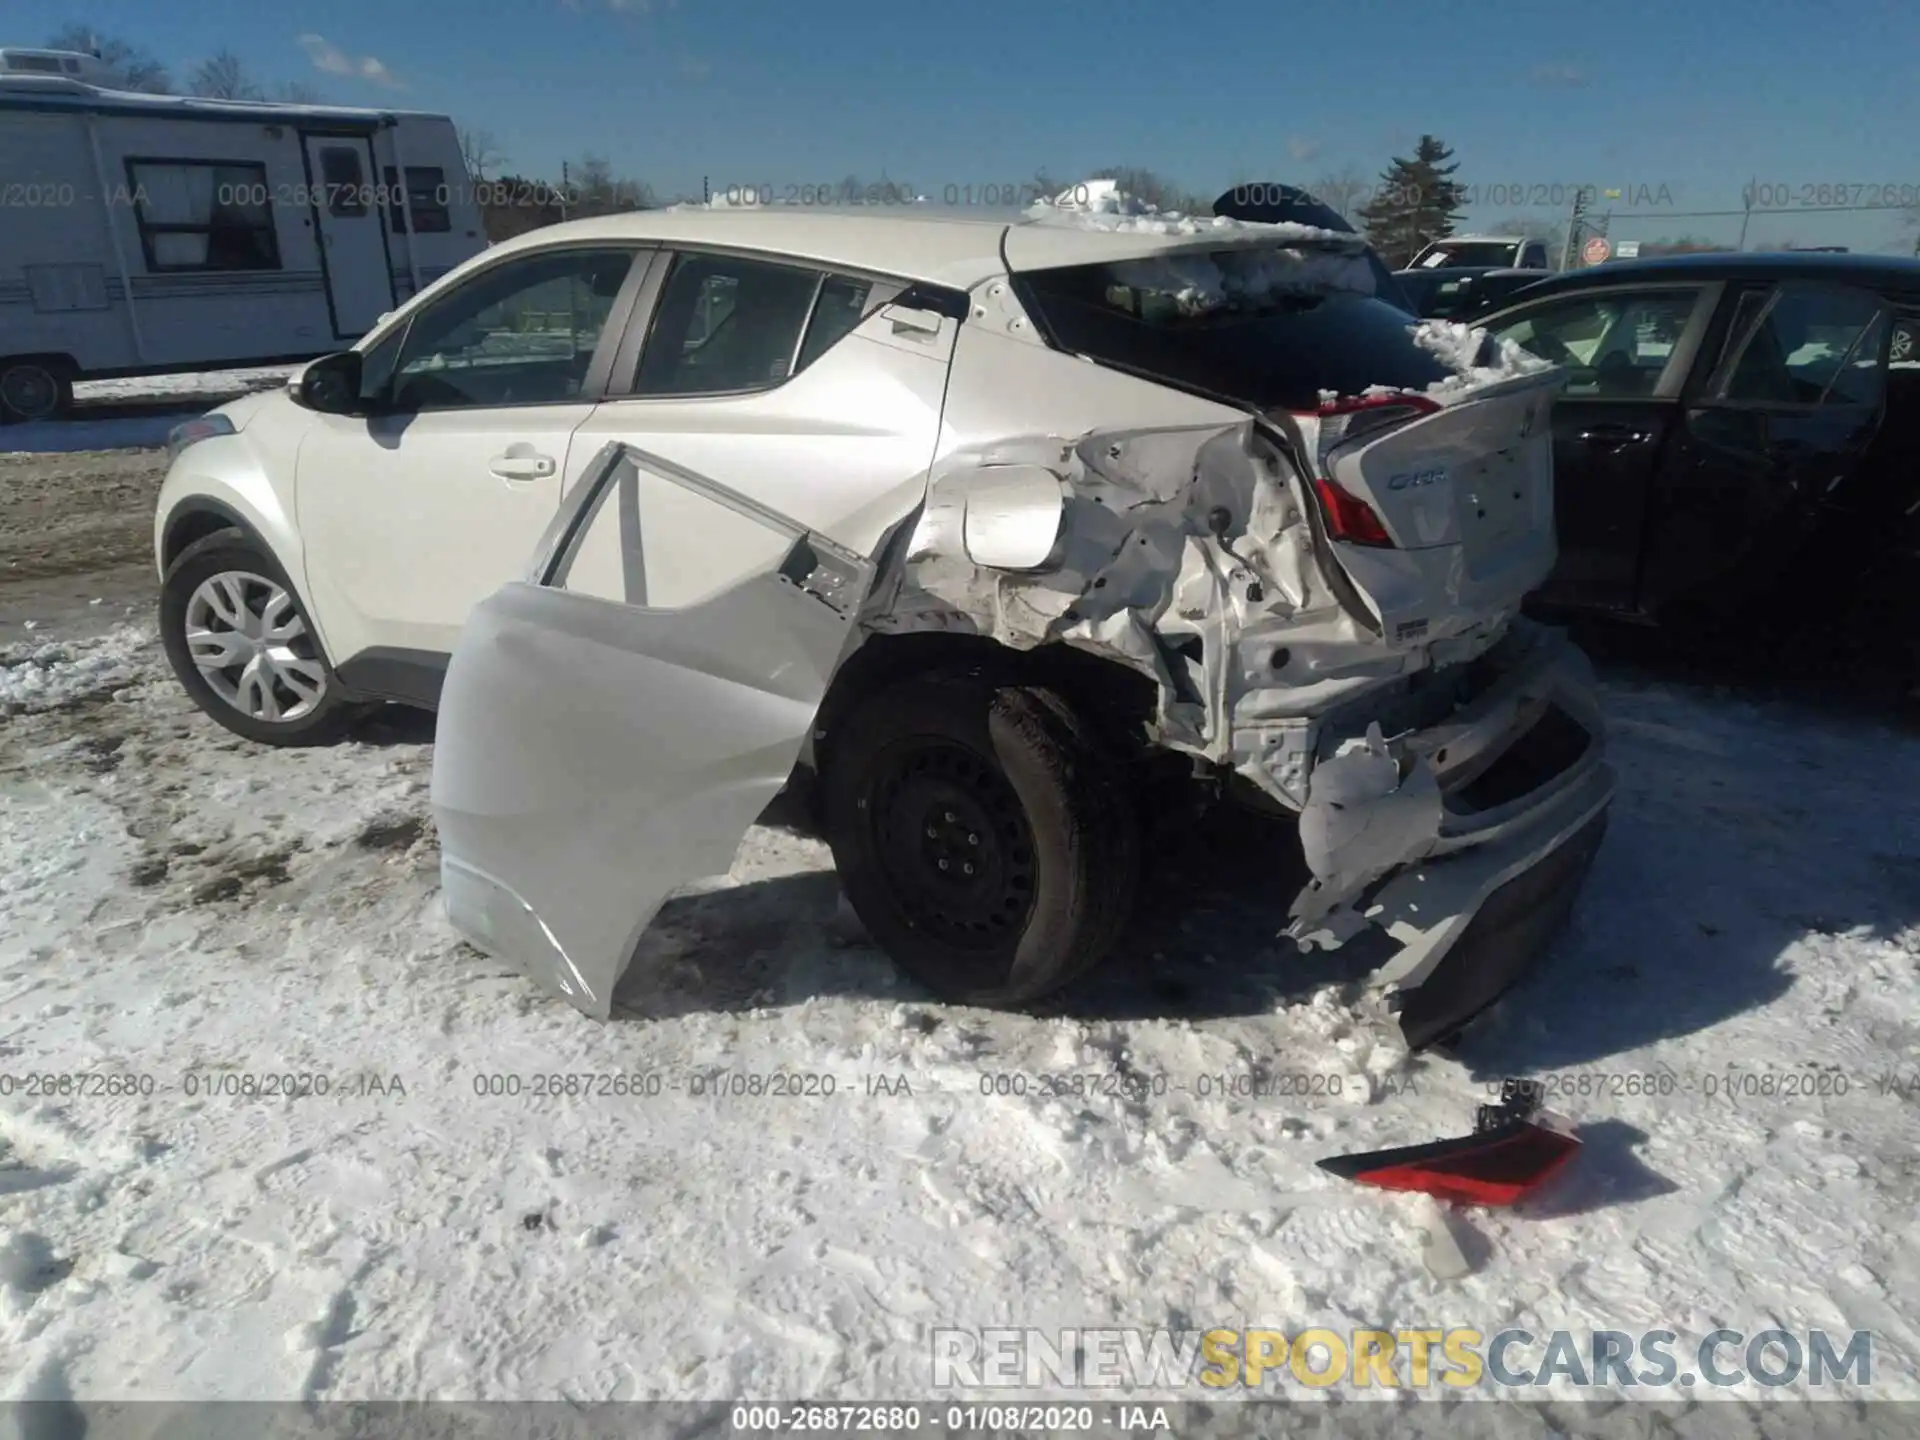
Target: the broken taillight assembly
pixel 1347 418
pixel 1510 1155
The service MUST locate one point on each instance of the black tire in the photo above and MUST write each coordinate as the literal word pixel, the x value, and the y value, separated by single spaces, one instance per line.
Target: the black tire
pixel 1005 776
pixel 35 388
pixel 233 550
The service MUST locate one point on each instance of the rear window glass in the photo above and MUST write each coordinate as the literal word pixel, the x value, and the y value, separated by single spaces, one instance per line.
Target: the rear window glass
pixel 1492 253
pixel 1254 327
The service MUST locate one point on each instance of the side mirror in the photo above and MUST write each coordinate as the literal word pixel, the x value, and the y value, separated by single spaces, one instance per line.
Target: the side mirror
pixel 331 385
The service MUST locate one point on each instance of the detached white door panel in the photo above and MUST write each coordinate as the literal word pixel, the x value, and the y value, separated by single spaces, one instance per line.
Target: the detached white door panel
pixel 353 242
pixel 611 726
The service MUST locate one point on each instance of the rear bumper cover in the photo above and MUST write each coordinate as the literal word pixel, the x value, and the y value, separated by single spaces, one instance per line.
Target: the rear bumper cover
pixel 1511 930
pixel 1473 856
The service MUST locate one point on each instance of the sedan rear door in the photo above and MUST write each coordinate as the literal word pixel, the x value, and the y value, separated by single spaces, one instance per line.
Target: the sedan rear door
pixel 1627 352
pixel 1786 414
pixel 599 743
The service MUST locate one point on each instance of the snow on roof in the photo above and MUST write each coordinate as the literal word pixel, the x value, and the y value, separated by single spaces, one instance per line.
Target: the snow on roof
pixel 67 92
pixel 958 247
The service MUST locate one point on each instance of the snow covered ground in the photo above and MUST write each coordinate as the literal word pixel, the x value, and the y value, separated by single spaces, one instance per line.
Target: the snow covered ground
pixel 195 915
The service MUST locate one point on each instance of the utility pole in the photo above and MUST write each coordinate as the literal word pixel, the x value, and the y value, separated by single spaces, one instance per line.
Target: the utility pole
pixel 1746 201
pixel 566 189
pixel 1575 219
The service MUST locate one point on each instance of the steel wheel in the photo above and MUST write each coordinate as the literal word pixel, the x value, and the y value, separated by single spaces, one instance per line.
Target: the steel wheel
pixel 30 391
pixel 246 638
pixel 954 842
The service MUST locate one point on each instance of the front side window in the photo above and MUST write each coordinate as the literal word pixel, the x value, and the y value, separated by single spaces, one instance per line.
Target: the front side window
pixel 519 333
pixel 1615 345
pixel 203 215
pixel 1805 345
pixel 726 324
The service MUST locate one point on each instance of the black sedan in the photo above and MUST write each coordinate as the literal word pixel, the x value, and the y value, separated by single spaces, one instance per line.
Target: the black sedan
pixel 1737 442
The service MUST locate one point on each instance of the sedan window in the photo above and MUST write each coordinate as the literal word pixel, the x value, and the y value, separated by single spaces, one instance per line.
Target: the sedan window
pixel 1615 345
pixel 1805 345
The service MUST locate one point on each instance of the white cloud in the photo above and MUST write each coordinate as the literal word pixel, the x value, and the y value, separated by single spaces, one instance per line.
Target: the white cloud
pixel 330 59
pixel 1560 77
pixel 1302 148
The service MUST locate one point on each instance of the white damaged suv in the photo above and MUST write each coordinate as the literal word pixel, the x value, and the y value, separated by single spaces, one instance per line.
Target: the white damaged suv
pixel 960 526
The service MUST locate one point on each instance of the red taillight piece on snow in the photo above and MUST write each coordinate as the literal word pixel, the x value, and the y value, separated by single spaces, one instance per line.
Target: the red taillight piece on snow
pixel 1498 1166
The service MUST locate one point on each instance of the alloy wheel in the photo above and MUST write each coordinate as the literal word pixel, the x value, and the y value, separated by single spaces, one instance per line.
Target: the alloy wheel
pixel 250 644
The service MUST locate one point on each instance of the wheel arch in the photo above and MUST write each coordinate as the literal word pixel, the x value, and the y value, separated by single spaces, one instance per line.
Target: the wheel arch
pixel 1112 703
pixel 197 515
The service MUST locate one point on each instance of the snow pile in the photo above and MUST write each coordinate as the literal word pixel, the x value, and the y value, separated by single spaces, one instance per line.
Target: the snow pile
pixel 1476 357
pixel 50 676
pixel 1226 279
pixel 1103 205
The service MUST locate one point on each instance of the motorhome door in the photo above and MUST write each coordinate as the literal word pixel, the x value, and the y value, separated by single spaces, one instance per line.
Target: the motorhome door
pixel 353 241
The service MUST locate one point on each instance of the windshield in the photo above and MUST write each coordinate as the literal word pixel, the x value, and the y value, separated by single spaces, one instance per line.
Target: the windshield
pixel 1451 253
pixel 1252 328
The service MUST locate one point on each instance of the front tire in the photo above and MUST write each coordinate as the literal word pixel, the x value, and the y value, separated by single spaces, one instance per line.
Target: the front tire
pixel 242 648
pixel 982 838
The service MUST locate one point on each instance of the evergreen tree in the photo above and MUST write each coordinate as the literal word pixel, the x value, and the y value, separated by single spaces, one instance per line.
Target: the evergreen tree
pixel 1418 202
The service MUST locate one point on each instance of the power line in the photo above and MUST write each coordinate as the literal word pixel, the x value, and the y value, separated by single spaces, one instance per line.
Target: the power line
pixel 1721 214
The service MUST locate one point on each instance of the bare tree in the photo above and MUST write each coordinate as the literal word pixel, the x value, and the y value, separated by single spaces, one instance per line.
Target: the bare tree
pixel 597 191
pixel 1342 191
pixel 128 66
pixel 223 77
pixel 481 152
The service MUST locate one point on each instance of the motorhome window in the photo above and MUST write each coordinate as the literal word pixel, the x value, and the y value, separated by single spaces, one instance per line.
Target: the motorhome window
pixel 426 195
pixel 346 182
pixel 37 64
pixel 203 215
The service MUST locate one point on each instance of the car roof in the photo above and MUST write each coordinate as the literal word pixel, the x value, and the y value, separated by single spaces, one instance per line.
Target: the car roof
pixel 952 247
pixel 1882 271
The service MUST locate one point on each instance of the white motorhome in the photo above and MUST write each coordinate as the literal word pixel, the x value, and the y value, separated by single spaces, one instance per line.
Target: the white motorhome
pixel 146 234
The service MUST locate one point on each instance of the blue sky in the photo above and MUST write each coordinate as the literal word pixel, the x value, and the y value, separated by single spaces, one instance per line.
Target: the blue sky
pixel 1681 103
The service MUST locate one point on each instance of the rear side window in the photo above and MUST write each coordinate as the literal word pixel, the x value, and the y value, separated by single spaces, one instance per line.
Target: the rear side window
pixel 726 325
pixel 1805 345
pixel 1253 327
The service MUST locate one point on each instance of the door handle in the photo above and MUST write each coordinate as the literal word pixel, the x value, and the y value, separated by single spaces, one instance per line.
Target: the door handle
pixel 1611 437
pixel 521 467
